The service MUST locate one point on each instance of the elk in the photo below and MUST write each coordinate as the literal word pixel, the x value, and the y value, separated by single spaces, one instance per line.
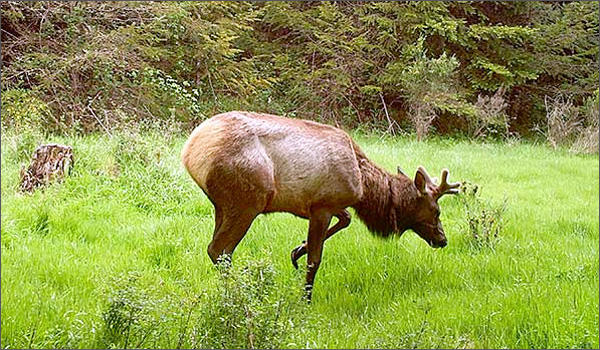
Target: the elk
pixel 249 163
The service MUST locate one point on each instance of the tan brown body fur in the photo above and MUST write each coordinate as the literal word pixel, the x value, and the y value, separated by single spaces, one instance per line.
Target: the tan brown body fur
pixel 249 163
pixel 295 164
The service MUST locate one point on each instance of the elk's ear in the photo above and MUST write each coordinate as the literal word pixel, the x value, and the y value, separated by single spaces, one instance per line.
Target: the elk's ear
pixel 420 181
pixel 400 170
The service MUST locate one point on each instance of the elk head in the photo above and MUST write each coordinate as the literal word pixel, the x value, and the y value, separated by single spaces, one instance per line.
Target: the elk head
pixel 426 221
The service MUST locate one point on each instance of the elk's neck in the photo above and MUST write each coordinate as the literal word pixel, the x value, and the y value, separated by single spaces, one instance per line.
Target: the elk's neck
pixel 386 204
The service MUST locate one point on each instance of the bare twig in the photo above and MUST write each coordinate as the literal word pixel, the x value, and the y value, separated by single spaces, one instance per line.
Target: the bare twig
pixel 89 107
pixel 212 89
pixel 390 122
pixel 99 122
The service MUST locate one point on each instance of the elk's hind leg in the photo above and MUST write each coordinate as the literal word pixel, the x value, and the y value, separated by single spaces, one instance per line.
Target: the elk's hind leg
pixel 239 194
pixel 230 228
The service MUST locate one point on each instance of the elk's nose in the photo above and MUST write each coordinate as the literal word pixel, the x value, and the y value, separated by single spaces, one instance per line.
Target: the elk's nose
pixel 443 243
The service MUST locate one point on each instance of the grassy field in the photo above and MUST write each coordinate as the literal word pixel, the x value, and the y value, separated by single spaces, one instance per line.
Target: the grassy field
pixel 116 257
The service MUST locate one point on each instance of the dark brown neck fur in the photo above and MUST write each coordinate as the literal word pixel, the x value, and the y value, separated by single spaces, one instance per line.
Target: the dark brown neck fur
pixel 387 203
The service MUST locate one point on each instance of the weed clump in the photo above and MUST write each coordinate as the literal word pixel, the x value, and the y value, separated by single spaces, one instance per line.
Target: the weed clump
pixel 132 314
pixel 21 144
pixel 573 126
pixel 484 220
pixel 490 118
pixel 247 310
pixel 243 309
pixel 131 149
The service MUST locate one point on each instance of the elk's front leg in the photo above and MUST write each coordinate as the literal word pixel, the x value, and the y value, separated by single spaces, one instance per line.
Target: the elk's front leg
pixel 319 221
pixel 343 222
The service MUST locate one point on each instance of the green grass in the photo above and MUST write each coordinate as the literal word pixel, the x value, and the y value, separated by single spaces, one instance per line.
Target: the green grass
pixel 129 208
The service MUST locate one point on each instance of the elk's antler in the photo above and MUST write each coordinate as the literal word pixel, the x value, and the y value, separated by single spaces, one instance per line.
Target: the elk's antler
pixel 446 188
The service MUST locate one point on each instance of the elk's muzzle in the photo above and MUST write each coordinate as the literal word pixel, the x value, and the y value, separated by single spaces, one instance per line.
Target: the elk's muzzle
pixel 439 244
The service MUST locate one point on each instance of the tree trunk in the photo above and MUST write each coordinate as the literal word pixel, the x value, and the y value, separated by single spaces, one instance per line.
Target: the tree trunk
pixel 49 163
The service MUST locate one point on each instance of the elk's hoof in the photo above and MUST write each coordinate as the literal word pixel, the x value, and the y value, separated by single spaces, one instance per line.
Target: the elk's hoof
pixel 297 253
pixel 307 294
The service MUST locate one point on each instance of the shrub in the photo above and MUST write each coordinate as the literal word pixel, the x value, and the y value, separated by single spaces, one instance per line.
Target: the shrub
pixel 587 137
pixel 490 118
pixel 131 316
pixel 22 110
pixel 426 83
pixel 247 310
pixel 562 119
pixel 172 100
pixel 572 126
pixel 484 220
pixel 109 64
pixel 244 309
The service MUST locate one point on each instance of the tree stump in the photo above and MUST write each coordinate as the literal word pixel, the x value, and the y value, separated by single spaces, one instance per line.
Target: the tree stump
pixel 49 163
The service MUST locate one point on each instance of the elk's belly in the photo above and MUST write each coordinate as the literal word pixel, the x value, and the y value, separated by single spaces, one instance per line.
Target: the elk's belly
pixel 300 200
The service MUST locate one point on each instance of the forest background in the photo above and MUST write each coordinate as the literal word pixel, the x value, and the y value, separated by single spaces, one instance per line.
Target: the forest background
pixel 474 69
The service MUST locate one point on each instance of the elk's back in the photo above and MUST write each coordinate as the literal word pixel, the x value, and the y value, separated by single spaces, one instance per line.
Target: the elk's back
pixel 304 163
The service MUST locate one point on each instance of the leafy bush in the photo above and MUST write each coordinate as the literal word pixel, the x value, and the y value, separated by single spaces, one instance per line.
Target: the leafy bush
pixel 22 110
pixel 247 310
pixel 139 314
pixel 175 101
pixel 131 316
pixel 484 220
pixel 427 84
